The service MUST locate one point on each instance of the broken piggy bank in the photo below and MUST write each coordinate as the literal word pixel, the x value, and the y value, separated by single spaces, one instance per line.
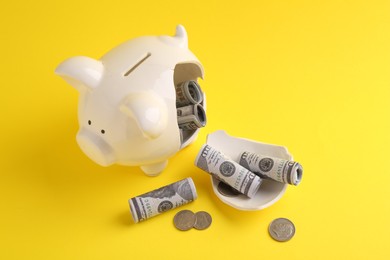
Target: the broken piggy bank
pixel 127 107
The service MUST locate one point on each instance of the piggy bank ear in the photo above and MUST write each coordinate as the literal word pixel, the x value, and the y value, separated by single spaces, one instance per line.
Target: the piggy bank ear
pixel 148 110
pixel 181 36
pixel 81 72
pixel 180 39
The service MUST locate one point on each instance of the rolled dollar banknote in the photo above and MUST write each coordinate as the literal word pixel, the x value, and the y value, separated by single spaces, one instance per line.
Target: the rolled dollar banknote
pixel 227 170
pixel 277 169
pixel 191 117
pixel 187 93
pixel 163 199
pixel 188 110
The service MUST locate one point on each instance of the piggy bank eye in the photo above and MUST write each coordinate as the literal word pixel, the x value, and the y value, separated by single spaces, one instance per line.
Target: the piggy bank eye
pixel 102 131
pixel 89 122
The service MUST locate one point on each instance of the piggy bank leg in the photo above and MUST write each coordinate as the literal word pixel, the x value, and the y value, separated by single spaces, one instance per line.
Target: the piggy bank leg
pixel 154 169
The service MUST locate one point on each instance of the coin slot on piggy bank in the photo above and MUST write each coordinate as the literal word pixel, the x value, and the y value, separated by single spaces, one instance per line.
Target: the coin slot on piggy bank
pixel 127 105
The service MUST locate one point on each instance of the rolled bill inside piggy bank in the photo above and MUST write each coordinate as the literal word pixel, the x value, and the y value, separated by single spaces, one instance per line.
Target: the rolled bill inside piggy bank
pixel 163 199
pixel 188 110
pixel 227 170
pixel 191 117
pixel 277 169
pixel 187 93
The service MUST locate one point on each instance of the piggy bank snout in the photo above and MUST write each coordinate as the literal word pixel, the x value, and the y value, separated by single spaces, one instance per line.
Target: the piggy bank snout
pixel 95 147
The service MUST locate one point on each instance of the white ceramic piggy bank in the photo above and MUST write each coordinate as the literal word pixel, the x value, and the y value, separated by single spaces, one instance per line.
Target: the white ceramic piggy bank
pixel 127 107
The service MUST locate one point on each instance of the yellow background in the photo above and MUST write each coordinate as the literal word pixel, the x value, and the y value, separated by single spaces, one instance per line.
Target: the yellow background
pixel 310 75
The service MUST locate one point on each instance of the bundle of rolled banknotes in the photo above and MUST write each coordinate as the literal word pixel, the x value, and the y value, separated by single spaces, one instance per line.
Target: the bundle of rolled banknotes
pixel 247 175
pixel 189 104
pixel 158 201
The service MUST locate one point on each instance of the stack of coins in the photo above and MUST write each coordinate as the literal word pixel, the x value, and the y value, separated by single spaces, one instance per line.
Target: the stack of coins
pixel 227 190
pixel 185 220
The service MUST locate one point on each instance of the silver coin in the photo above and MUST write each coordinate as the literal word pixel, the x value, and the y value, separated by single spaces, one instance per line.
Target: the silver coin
pixel 184 220
pixel 281 229
pixel 203 220
pixel 227 190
